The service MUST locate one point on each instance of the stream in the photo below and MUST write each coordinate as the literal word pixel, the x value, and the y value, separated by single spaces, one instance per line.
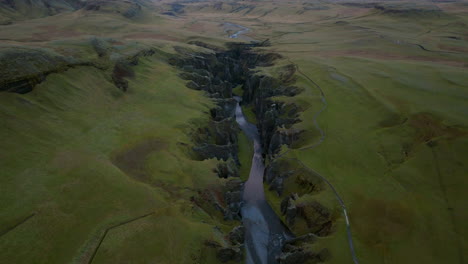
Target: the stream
pixel 264 231
pixel 265 234
pixel 237 34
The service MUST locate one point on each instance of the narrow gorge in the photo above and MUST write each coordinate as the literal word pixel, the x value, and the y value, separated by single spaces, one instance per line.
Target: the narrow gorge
pixel 269 238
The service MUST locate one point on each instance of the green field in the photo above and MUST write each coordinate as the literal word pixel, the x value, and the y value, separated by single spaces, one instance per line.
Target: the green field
pixel 89 172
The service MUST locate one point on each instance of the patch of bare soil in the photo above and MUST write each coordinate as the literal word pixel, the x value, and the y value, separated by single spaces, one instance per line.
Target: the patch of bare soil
pixel 148 35
pixel 389 56
pixel 132 161
pixel 49 32
pixel 453 48
pixel 197 27
pixel 428 127
pixel 381 221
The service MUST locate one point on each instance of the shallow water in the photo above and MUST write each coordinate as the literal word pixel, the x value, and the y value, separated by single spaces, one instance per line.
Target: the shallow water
pixel 264 231
pixel 242 30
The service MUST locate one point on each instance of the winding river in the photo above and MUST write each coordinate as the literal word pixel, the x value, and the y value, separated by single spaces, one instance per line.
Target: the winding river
pixel 265 234
pixel 236 34
pixel 264 231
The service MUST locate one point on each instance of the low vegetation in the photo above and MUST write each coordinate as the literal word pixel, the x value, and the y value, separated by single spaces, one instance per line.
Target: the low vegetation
pixel 112 151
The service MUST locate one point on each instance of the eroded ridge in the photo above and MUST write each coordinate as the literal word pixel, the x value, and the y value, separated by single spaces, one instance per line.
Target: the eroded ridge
pixel 217 74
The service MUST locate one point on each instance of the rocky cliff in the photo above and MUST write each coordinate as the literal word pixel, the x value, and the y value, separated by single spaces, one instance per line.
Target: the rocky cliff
pixel 21 69
pixel 217 74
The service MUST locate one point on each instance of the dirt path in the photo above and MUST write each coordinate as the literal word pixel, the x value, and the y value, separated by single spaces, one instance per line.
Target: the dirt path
pixel 322 138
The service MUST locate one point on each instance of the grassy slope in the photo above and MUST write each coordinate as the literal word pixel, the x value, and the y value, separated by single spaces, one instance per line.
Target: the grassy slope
pixel 404 197
pixel 84 157
pixel 69 130
pixel 74 127
pixel 393 199
pixel 392 206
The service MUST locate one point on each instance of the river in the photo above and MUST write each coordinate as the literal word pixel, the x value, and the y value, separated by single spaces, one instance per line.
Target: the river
pixel 238 33
pixel 264 231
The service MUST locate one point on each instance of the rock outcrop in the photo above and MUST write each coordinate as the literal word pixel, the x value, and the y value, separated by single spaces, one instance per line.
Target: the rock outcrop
pixel 299 255
pixel 233 198
pixel 226 253
pixel 281 171
pixel 237 235
pixel 226 199
pixel 227 169
pixel 123 68
pixel 217 74
pixel 275 119
pixel 22 69
pixel 234 250
pixel 317 217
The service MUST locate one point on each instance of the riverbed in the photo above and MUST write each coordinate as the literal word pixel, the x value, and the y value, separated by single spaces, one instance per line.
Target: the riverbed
pixel 264 232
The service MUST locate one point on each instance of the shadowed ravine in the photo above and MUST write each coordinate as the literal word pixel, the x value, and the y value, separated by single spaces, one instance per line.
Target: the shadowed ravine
pixel 265 233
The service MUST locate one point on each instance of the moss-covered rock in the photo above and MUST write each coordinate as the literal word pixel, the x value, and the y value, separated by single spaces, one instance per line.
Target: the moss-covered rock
pixel 22 69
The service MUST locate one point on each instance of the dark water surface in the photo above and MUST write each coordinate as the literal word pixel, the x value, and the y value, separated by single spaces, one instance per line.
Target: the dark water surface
pixel 264 231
